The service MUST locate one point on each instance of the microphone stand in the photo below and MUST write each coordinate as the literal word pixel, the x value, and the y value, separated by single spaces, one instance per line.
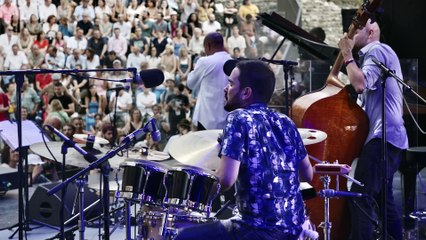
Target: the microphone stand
pixel 386 72
pixel 93 165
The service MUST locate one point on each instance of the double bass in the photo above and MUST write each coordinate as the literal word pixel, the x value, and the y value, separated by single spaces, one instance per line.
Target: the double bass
pixel 332 110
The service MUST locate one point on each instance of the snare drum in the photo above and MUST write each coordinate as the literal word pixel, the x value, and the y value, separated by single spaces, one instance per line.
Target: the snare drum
pixel 143 180
pixel 191 187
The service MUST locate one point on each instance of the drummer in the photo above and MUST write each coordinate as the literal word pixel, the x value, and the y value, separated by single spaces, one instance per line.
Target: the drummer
pixel 263 154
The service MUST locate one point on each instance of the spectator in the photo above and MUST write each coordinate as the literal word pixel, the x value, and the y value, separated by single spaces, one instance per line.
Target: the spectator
pixel 42 79
pixel 211 25
pixel 117 75
pixel 187 7
pixel 124 26
pixel 65 99
pixel 4 107
pixel 159 24
pixel 230 17
pixel 204 11
pixel 169 63
pixel 64 10
pixel 50 27
pixel 8 39
pixel 15 23
pixel 102 9
pixel 135 59
pixel 145 100
pixel 108 61
pixel 133 10
pixel 236 53
pixel 136 121
pixel 93 104
pixel 139 41
pixel 179 42
pixel 54 59
pixel 151 8
pixel 82 9
pixel 80 81
pixel 56 109
pixel 236 40
pixel 34 26
pixel 146 24
pixel 75 59
pixel 26 10
pixel 14 61
pixel 118 44
pixel 124 104
pixel 98 43
pixel 164 9
pixel 35 58
pixel 92 60
pixel 41 42
pixel 68 130
pixel 29 100
pixel 66 28
pixel 7 10
pixel 118 9
pixel 48 91
pixel 190 25
pixel 184 66
pixel 170 85
pixel 153 59
pixel 76 42
pixel 25 41
pixel 196 43
pixel 160 42
pixel 46 9
pixel 177 107
pixel 78 124
pixel 59 42
pixel 174 24
pixel 184 127
pixel 86 25
pixel 247 8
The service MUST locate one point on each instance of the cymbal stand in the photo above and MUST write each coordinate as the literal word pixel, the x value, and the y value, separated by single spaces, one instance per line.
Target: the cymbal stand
pixel 326 225
pixel 81 182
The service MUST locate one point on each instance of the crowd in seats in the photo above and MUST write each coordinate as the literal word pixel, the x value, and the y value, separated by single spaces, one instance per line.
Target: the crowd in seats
pixel 102 34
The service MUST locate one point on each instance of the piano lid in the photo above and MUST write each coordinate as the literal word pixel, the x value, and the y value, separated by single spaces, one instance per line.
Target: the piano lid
pixel 299 36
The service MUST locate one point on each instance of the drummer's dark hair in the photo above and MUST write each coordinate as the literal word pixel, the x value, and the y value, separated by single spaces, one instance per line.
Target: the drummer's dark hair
pixel 258 76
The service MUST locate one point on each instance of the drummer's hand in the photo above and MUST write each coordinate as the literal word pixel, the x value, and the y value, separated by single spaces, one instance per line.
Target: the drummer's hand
pixel 346 45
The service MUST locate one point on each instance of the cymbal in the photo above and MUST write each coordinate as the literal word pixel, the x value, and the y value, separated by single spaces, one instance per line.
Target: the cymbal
pixel 73 158
pixel 311 136
pixel 83 137
pixel 199 149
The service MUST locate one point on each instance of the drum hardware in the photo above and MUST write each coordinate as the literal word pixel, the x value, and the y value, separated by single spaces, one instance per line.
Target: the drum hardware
pixel 336 169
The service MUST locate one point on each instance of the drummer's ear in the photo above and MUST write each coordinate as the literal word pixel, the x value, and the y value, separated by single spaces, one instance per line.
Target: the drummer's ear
pixel 246 93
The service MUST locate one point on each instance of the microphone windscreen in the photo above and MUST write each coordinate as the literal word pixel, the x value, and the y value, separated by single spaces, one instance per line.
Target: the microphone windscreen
pixel 229 66
pixel 152 77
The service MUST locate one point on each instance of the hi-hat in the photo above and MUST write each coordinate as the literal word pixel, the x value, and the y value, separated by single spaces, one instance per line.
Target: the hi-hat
pixel 83 138
pixel 73 158
pixel 199 149
pixel 311 136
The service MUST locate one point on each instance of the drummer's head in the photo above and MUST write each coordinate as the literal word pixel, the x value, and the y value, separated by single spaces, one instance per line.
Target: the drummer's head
pixel 249 82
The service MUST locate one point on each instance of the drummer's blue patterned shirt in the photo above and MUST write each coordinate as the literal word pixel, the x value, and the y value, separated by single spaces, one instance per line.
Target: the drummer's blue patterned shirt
pixel 269 148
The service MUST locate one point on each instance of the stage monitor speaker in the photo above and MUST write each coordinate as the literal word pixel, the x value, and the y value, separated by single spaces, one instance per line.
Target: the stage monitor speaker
pixel 45 209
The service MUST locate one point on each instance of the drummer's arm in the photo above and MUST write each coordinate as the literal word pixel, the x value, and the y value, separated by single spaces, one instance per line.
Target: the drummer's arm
pixel 227 172
pixel 306 173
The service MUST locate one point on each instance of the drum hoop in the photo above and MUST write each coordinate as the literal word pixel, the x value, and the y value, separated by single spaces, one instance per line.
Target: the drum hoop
pixel 194 171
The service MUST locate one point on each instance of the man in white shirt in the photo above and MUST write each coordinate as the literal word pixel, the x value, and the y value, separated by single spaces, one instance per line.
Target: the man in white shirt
pixel 46 9
pixel 236 40
pixel 124 26
pixel 145 100
pixel 84 8
pixel 54 59
pixel 77 42
pixel 208 80
pixel 196 44
pixel 76 59
pixel 124 104
pixel 27 9
pixel 135 58
pixel 8 39
pixel 14 61
pixel 118 44
pixel 211 25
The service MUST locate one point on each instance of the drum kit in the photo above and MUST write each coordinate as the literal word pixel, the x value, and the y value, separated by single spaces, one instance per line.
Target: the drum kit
pixel 163 198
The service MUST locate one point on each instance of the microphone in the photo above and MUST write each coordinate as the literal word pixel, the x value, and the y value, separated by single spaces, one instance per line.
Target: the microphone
pixel 381 65
pixel 279 62
pixel 120 87
pixel 89 157
pixel 137 134
pixel 149 77
pixel 333 193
